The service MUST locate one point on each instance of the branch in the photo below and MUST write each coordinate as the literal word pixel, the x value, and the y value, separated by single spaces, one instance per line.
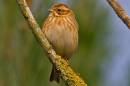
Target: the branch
pixel 120 12
pixel 67 74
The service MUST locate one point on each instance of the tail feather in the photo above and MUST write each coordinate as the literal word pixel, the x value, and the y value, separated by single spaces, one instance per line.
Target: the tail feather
pixel 55 75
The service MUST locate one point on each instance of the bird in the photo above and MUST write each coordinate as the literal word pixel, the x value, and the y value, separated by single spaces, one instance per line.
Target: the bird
pixel 61 30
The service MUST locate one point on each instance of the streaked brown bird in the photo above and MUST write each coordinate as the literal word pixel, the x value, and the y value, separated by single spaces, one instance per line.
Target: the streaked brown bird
pixel 61 30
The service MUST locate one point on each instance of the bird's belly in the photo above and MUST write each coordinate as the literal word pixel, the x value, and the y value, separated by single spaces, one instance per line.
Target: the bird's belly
pixel 63 40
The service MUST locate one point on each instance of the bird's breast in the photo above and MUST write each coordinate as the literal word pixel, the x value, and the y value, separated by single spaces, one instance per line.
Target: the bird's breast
pixel 63 37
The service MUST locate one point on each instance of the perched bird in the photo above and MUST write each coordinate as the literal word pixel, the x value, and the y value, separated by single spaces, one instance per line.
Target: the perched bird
pixel 61 30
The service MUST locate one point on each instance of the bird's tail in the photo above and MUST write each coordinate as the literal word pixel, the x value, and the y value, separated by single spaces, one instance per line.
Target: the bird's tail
pixel 55 75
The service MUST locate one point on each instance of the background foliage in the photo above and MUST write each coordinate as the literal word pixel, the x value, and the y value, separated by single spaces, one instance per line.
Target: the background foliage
pixel 22 61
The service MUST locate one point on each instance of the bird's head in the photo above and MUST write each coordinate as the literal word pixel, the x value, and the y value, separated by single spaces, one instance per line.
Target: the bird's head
pixel 60 9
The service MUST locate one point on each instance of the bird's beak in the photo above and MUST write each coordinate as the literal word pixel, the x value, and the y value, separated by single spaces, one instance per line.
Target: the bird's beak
pixel 50 10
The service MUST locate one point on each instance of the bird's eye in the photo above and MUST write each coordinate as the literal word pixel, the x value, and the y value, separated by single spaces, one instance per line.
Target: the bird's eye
pixel 59 10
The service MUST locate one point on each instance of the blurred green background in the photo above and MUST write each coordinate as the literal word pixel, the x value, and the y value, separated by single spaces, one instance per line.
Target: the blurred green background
pixel 22 60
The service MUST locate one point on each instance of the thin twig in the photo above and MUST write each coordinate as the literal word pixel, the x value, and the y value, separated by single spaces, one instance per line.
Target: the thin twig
pixel 120 12
pixel 67 73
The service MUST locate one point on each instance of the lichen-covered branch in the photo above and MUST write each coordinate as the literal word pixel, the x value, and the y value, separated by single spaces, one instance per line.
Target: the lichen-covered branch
pixel 67 74
pixel 120 12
